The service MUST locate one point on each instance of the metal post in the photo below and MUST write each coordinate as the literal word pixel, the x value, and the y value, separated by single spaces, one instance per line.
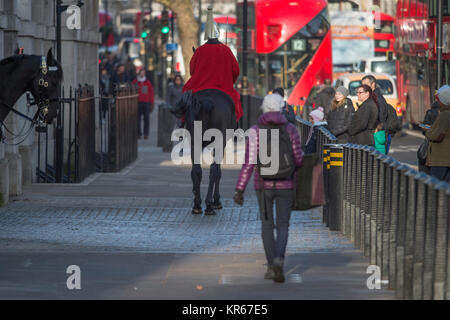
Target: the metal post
pixel 326 167
pixel 58 131
pixel 393 224
pixel 442 228
pixel 401 231
pixel 244 91
pixel 374 208
pixel 409 234
pixel 335 180
pixel 439 43
pixel 199 22
pixel 430 238
pixel 388 170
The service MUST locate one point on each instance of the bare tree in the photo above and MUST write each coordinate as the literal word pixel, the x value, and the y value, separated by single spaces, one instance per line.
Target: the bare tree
pixel 187 27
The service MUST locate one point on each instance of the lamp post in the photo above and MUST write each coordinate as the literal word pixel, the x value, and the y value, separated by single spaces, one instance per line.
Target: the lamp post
pixel 59 133
pixel 439 43
pixel 244 92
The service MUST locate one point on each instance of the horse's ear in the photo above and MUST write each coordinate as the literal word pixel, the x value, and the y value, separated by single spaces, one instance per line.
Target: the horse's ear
pixel 49 56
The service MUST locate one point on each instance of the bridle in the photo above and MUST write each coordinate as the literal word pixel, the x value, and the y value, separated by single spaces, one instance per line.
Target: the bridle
pixel 42 102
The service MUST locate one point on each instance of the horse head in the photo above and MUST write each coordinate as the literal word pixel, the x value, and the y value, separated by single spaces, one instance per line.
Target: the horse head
pixel 44 87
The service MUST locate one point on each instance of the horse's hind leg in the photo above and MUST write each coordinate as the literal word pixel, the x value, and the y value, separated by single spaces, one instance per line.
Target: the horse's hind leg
pixel 196 175
pixel 214 172
pixel 217 204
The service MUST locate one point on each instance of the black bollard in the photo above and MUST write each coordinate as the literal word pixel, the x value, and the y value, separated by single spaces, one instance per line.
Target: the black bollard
pixel 326 168
pixel 166 124
pixel 335 183
pixel 430 236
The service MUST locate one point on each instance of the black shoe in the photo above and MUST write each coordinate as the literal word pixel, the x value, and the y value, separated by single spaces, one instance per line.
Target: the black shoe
pixel 269 273
pixel 278 271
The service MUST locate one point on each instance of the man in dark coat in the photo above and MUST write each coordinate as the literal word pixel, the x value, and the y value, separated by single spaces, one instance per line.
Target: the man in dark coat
pixel 287 111
pixel 325 96
pixel 432 114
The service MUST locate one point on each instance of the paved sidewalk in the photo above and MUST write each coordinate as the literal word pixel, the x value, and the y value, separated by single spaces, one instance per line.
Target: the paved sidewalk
pixel 133 236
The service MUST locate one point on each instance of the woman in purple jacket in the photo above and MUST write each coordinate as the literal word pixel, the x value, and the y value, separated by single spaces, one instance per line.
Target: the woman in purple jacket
pixel 279 191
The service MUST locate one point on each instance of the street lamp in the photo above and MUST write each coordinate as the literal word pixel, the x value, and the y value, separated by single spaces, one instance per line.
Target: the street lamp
pixel 60 8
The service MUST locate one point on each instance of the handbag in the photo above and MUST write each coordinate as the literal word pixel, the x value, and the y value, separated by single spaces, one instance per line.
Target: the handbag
pixel 422 152
pixel 309 187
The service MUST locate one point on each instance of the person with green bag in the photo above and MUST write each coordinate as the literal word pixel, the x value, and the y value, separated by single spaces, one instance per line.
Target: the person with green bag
pixel 380 139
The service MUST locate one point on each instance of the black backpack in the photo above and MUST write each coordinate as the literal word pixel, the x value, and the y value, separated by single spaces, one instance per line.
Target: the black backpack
pixel 286 159
pixel 393 123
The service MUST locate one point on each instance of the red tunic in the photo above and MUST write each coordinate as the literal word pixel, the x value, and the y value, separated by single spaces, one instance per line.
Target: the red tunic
pixel 213 66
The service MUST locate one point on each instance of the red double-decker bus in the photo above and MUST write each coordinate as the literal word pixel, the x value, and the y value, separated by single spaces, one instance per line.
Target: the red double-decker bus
pixel 415 48
pixel 289 46
pixel 383 34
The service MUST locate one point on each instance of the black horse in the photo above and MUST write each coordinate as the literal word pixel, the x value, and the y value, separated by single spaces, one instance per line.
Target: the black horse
pixel 215 110
pixel 39 75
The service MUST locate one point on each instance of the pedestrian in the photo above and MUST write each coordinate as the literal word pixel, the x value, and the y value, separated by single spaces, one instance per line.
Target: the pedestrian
pixel 175 90
pixel 174 93
pixel 316 117
pixel 430 117
pixel 365 119
pixel 130 69
pixel 120 76
pixel 281 192
pixel 379 137
pixel 325 96
pixel 340 115
pixel 432 113
pixel 288 110
pixel 438 156
pixel 384 113
pixel 145 102
pixel 105 83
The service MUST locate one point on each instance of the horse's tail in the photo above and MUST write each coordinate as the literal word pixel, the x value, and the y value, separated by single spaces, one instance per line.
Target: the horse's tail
pixel 191 106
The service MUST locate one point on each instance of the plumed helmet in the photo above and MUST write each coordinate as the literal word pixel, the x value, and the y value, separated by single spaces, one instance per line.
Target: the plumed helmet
pixel 211 29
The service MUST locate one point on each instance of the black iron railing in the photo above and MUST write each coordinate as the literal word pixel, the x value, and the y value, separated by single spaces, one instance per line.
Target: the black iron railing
pixel 396 215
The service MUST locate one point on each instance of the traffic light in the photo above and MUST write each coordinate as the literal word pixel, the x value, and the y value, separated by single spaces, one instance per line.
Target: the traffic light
pixel 165 28
pixel 146 25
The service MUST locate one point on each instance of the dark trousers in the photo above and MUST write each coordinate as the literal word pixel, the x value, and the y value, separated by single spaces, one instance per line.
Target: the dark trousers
pixel 144 110
pixel 442 173
pixel 275 247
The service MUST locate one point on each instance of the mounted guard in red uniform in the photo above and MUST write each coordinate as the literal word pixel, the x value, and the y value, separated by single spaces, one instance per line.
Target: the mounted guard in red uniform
pixel 209 98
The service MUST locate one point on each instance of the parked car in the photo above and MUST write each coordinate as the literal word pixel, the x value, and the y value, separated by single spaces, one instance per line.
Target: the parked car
pixel 385 81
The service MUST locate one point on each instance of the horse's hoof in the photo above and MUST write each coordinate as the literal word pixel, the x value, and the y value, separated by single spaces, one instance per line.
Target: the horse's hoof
pixel 210 211
pixel 217 206
pixel 197 211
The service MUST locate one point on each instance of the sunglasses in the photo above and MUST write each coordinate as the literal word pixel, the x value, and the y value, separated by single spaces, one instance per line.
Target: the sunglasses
pixel 360 92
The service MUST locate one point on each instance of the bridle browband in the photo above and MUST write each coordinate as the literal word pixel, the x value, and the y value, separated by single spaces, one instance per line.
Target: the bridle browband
pixel 42 102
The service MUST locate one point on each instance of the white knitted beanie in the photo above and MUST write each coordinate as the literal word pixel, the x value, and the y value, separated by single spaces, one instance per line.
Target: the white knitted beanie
pixel 272 103
pixel 444 95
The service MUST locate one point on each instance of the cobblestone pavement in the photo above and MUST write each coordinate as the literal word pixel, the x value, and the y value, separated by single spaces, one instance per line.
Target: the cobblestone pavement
pixel 157 225
pixel 133 235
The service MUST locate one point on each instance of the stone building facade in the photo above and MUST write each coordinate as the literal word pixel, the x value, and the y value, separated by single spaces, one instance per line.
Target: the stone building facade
pixel 31 24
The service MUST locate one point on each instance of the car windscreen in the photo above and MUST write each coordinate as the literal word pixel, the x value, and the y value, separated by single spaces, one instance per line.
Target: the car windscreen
pixel 384 67
pixel 384 84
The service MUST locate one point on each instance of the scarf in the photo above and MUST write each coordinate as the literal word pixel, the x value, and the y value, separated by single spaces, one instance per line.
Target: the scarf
pixel 141 79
